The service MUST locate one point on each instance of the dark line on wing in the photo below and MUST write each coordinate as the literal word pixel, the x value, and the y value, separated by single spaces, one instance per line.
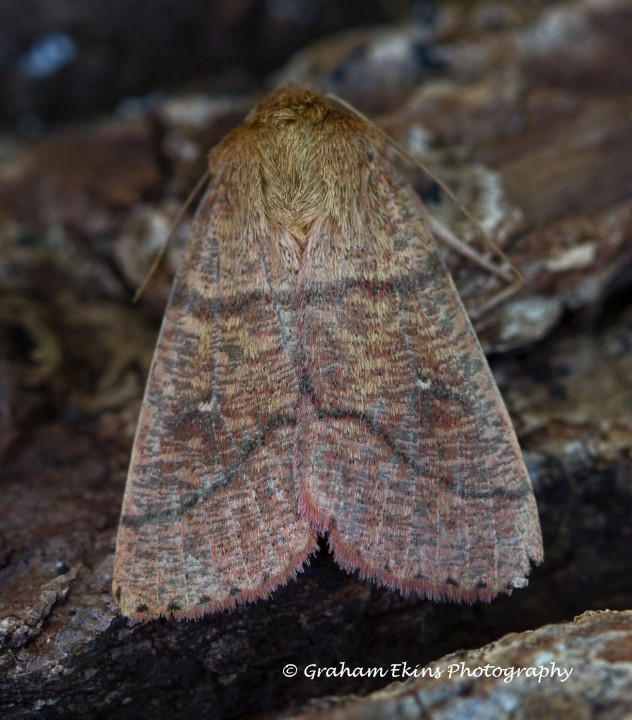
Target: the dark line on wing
pixel 319 295
pixel 230 470
pixel 339 414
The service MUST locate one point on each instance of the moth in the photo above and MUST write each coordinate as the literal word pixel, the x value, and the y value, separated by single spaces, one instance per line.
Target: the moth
pixel 316 373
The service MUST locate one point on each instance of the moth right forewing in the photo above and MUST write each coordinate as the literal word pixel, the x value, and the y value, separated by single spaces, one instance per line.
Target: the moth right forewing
pixel 408 457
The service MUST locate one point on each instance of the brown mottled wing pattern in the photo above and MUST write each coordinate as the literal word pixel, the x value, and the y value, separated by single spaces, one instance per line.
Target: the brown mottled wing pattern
pixel 405 451
pixel 210 516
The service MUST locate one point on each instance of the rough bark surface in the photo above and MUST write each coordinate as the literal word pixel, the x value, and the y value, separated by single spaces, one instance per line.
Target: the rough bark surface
pixel 521 675
pixel 525 112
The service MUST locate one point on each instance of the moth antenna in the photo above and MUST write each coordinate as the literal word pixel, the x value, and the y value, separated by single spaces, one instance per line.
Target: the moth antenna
pixel 497 299
pixel 452 241
pixel 448 238
pixel 161 253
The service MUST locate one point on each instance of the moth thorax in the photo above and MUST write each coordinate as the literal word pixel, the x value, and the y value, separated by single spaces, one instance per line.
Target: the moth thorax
pixel 306 182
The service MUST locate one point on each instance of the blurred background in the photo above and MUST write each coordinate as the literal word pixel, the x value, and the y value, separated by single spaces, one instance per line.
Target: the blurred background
pixel 61 59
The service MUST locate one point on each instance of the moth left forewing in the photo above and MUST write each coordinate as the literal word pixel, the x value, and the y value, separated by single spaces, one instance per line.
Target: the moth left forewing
pixel 209 517
pixel 407 456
